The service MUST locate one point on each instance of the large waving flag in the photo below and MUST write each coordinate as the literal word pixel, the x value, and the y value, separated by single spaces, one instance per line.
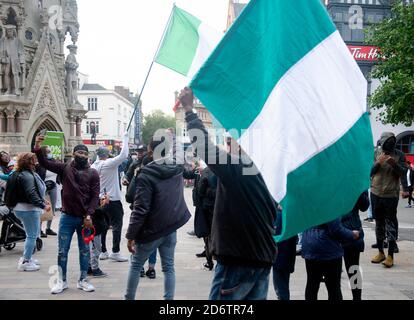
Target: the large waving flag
pixel 283 72
pixel 187 43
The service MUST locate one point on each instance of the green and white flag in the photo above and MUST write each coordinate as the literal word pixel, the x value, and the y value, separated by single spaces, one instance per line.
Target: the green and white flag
pixel 283 73
pixel 187 43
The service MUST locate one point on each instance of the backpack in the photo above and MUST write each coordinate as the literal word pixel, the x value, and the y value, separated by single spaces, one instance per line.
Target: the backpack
pixel 11 193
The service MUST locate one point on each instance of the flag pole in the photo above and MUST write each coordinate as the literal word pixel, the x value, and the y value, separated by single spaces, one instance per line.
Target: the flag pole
pixel 150 68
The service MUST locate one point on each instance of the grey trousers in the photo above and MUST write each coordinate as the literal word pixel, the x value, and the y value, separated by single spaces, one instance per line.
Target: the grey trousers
pixel 95 248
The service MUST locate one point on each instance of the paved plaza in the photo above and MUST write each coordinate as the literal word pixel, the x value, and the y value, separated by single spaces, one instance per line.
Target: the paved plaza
pixel 192 280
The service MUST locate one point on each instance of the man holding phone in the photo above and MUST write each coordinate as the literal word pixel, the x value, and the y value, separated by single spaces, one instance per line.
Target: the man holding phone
pixel 389 169
pixel 80 198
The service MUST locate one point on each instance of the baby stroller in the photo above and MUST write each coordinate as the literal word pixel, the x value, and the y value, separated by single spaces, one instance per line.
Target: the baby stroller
pixel 12 231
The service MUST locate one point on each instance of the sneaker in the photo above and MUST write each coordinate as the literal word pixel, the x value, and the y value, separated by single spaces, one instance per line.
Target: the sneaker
pixel 142 274
pixel 59 287
pixel 43 235
pixel 374 246
pixel 378 258
pixel 150 273
pixel 85 286
pixel 201 255
pixel 50 232
pixel 35 261
pixel 28 266
pixel 103 256
pixel 117 257
pixel 389 262
pixel 98 273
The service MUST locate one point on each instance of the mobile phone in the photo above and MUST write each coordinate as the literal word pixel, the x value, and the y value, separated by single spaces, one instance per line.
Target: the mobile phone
pixel 43 132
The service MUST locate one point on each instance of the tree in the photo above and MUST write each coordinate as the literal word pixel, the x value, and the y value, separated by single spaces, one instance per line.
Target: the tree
pixel 154 121
pixel 395 69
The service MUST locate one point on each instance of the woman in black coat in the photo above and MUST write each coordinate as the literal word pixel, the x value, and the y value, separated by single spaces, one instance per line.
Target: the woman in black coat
pixel 353 249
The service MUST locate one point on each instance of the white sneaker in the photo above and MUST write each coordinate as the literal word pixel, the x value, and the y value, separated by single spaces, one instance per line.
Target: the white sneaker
pixel 117 257
pixel 59 287
pixel 104 256
pixel 28 266
pixel 35 261
pixel 85 286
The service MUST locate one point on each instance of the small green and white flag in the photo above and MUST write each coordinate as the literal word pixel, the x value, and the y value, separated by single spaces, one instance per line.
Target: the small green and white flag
pixel 187 43
pixel 283 73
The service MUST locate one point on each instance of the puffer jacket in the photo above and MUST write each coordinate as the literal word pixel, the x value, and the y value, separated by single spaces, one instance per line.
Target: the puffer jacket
pixel 385 178
pixel 159 206
pixel 324 242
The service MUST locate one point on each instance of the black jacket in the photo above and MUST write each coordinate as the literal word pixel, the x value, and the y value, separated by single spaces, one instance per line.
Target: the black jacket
pixel 28 189
pixel 159 206
pixel 244 213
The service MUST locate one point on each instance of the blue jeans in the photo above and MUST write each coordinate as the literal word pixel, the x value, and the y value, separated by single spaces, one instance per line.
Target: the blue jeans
pixel 152 260
pixel 166 248
pixel 281 283
pixel 240 283
pixel 31 223
pixel 67 226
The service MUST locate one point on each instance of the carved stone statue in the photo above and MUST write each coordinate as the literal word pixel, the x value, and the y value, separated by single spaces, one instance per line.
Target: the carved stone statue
pixel 12 60
pixel 71 67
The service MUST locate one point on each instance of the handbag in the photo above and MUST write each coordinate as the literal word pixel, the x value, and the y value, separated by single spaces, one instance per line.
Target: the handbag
pixel 47 215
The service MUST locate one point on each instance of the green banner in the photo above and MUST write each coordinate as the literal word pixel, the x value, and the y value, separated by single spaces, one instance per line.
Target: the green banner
pixel 55 141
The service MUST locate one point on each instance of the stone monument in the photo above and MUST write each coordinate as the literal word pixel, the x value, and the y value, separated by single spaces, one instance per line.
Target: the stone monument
pixel 38 85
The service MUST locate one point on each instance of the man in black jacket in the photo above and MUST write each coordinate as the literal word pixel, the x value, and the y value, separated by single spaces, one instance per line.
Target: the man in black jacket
pixel 159 210
pixel 244 214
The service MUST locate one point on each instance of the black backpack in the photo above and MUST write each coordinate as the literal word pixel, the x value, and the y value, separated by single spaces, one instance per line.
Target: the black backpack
pixel 11 194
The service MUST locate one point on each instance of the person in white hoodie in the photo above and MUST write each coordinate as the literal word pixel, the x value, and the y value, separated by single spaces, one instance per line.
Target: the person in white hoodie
pixel 108 174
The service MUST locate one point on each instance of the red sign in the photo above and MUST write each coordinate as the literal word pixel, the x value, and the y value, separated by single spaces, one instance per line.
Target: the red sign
pixel 364 53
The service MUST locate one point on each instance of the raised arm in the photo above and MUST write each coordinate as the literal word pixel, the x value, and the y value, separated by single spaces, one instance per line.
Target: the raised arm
pixel 216 159
pixel 52 166
pixel 117 161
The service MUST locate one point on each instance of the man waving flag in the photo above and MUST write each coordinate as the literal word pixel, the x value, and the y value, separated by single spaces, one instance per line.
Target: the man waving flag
pixel 283 77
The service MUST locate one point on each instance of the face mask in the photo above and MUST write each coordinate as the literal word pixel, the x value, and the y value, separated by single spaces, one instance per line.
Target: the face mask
pixel 81 162
pixel 134 157
pixel 49 156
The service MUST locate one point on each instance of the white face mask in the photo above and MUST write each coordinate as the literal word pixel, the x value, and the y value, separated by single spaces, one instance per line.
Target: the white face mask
pixel 50 156
pixel 134 157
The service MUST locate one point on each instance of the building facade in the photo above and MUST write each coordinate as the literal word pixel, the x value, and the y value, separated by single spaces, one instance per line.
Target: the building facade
pixel 352 18
pixel 109 113
pixel 38 83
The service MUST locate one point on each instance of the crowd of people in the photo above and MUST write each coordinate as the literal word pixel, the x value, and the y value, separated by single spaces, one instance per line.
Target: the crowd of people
pixel 235 215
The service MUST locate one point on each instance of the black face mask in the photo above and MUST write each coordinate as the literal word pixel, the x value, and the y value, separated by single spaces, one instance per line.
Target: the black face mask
pixel 81 162
pixel 389 146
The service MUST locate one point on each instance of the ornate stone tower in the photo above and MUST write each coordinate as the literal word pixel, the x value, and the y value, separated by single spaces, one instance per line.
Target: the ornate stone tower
pixel 38 86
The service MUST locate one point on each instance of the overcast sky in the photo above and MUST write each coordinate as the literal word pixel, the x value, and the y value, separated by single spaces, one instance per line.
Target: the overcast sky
pixel 118 39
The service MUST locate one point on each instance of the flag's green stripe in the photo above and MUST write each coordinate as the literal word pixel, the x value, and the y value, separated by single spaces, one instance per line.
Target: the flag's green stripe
pixel 328 185
pixel 180 42
pixel 266 40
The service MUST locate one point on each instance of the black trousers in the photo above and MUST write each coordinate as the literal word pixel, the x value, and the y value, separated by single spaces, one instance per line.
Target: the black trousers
pixel 410 195
pixel 351 259
pixel 115 212
pixel 330 270
pixel 386 223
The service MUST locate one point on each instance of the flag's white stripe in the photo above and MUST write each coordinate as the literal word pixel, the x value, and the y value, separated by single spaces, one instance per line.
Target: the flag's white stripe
pixel 208 40
pixel 315 103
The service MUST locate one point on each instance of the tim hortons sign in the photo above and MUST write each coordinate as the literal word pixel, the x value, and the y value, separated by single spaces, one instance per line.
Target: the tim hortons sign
pixel 364 53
